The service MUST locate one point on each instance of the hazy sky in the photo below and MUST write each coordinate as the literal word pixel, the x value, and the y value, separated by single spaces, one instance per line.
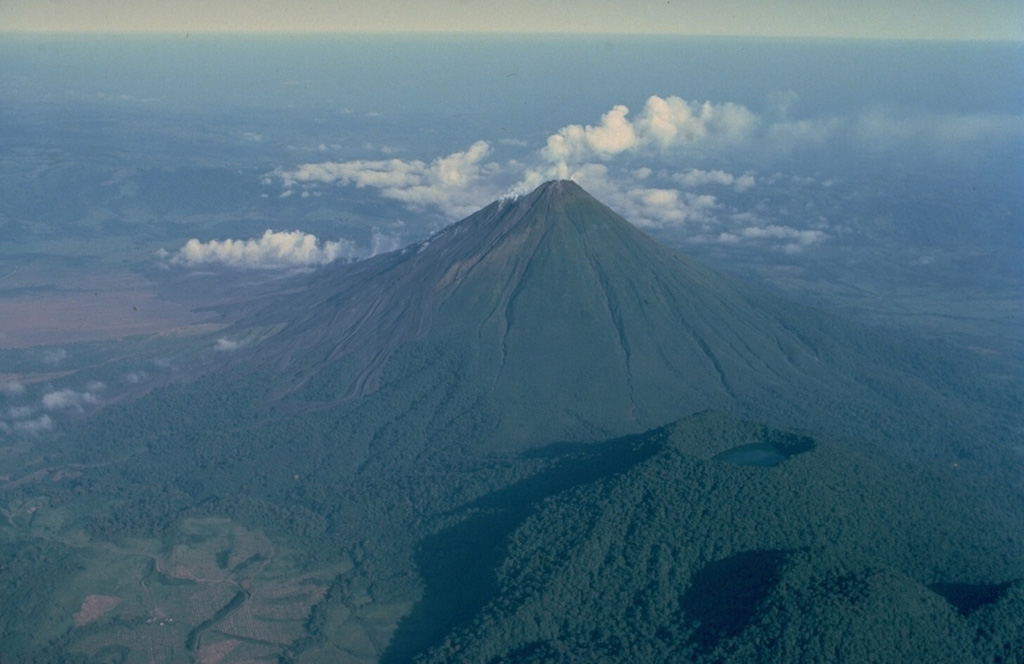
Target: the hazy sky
pixel 909 19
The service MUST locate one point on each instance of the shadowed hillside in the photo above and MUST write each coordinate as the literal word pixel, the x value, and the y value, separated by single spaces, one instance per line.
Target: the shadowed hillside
pixel 825 556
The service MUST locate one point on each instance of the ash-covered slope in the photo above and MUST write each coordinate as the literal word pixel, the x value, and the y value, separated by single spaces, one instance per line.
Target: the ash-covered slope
pixel 559 317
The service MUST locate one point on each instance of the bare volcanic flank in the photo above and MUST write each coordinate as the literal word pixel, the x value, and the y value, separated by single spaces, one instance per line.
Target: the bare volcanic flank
pixel 555 310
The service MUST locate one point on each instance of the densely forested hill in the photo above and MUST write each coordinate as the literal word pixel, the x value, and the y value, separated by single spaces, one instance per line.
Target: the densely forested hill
pixel 813 553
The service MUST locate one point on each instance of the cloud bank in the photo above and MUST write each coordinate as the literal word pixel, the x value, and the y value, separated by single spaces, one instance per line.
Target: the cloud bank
pixel 458 184
pixel 34 418
pixel 645 164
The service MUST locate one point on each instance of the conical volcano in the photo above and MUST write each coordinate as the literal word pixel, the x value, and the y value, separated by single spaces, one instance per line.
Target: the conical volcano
pixel 554 315
pixel 417 457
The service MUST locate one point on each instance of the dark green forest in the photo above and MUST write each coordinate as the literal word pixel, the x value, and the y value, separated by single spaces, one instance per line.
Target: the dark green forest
pixel 827 557
pixel 642 548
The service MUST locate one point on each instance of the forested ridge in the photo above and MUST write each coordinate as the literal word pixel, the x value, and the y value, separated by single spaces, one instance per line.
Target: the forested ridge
pixel 824 558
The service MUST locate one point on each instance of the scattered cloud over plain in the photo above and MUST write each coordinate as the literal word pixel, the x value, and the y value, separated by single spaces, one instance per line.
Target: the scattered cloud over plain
pixel 276 250
pixel 35 415
pixel 790 240
pixel 30 426
pixel 272 250
pixel 698 178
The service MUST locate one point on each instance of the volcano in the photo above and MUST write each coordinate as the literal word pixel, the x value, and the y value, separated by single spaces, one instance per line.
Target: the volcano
pixel 556 315
pixel 539 435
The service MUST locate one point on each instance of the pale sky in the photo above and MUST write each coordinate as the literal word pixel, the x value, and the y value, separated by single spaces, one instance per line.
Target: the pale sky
pixel 899 19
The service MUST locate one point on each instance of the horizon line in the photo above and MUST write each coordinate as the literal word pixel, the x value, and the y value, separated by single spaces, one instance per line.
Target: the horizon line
pixel 186 33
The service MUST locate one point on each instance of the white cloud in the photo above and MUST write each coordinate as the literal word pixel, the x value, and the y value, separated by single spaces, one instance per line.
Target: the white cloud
pixel 460 183
pixel 650 206
pixel 607 158
pixel 11 388
pixel 54 355
pixel 20 412
pixel 791 240
pixel 382 243
pixel 456 185
pixel 673 121
pixel 22 420
pixel 575 143
pixel 64 399
pixel 38 425
pixel 135 377
pixel 272 250
pixel 624 192
pixel 278 250
pixel 591 176
pixel 604 156
pixel 664 124
pixel 670 127
pixel 71 399
pixel 226 345
pixel 698 178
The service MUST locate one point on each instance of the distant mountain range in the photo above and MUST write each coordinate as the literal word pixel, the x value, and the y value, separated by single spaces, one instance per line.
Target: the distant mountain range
pixel 537 436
